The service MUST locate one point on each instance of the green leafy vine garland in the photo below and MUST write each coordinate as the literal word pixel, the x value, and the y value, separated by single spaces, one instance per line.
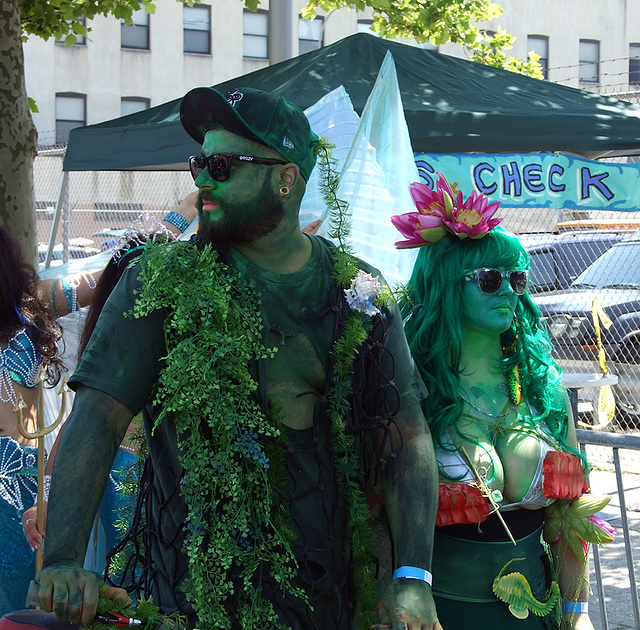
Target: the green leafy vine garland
pixel 228 448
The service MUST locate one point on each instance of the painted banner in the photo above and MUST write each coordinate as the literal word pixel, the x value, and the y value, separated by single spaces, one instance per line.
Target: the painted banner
pixel 538 180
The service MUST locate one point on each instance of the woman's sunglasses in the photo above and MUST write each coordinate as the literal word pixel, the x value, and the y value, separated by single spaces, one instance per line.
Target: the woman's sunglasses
pixel 219 164
pixel 490 280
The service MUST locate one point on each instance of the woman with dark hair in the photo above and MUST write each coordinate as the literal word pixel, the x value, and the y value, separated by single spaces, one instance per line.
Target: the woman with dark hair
pixel 29 337
pixel 109 512
pixel 500 421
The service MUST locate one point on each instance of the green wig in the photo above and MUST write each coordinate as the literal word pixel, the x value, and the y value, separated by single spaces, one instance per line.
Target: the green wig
pixel 432 309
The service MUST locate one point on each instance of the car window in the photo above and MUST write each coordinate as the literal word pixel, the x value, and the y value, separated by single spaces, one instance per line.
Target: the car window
pixel 617 267
pixel 542 271
pixel 580 255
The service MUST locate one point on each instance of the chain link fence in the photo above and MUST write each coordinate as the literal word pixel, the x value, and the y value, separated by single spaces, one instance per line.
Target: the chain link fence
pixel 95 204
pixel 562 245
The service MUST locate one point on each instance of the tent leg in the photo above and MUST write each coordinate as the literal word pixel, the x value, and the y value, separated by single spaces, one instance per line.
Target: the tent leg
pixel 63 192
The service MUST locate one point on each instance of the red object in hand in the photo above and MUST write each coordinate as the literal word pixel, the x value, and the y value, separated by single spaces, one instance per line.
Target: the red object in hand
pixel 116 619
pixel 563 476
pixel 461 504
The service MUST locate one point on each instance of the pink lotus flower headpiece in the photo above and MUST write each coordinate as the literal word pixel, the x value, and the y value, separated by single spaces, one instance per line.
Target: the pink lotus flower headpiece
pixel 444 210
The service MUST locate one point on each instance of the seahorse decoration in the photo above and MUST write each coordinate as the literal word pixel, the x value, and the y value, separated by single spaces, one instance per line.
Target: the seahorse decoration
pixel 513 589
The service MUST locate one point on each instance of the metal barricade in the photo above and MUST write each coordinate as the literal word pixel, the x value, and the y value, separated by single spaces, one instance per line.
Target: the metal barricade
pixel 615 442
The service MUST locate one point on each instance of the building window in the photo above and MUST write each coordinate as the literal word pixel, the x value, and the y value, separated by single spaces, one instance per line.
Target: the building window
pixel 589 61
pixel 197 29
pixel 634 64
pixel 310 34
pixel 135 35
pixel 255 38
pixel 133 104
pixel 364 26
pixel 539 44
pixel 81 40
pixel 71 112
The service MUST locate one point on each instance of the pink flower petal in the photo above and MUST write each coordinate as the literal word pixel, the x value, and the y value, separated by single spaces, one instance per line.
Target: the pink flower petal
pixel 429 220
pixel 603 525
pixel 445 210
pixel 421 194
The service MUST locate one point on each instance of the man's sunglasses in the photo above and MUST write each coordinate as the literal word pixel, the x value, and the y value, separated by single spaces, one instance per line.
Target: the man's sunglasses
pixel 219 164
pixel 490 280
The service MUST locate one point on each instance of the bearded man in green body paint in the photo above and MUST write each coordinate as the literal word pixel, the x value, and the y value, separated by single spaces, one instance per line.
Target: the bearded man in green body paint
pixel 271 396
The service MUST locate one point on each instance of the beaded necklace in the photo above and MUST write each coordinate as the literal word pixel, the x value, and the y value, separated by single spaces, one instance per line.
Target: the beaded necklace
pixel 515 394
pixel 512 408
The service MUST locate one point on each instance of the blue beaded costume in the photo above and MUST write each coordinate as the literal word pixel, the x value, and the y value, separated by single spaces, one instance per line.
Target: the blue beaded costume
pixel 18 484
pixel 19 363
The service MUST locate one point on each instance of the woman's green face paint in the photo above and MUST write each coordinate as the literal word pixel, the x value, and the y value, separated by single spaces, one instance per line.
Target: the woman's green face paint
pixel 490 313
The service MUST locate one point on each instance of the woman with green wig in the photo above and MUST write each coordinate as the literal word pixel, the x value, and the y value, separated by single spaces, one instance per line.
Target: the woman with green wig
pixel 514 515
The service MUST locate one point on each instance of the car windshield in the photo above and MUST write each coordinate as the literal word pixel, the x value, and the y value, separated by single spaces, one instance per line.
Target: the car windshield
pixel 618 267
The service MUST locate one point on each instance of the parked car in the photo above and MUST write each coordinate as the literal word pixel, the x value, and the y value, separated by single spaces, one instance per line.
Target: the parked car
pixel 558 259
pixel 614 278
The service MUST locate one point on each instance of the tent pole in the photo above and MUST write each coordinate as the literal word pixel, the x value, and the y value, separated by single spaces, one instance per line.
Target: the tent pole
pixel 64 189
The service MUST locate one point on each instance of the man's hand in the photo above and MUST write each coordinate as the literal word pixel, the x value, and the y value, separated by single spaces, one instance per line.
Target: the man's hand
pixel 407 605
pixel 72 593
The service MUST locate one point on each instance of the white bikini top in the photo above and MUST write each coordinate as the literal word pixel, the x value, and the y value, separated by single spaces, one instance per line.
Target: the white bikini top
pixel 454 466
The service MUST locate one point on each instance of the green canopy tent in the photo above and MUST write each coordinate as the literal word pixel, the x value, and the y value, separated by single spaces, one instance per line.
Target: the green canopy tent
pixel 451 106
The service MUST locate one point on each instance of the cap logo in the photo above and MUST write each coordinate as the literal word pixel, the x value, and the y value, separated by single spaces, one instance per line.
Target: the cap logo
pixel 234 97
pixel 287 143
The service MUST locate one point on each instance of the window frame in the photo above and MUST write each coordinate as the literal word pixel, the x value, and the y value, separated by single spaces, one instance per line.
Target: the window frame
pixel 255 36
pixel 588 63
pixel 127 29
pixel 81 40
pixel 634 66
pixel 302 48
pixel 62 132
pixel 544 59
pixel 134 99
pixel 185 31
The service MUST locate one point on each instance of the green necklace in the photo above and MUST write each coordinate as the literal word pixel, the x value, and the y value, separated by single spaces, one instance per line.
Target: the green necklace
pixel 235 522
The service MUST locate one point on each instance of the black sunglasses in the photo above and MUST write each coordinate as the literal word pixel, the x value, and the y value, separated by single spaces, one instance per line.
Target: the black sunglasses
pixel 219 164
pixel 490 280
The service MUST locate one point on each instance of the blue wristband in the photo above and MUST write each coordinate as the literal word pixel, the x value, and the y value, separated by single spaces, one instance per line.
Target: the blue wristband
pixel 413 573
pixel 178 220
pixel 70 294
pixel 576 607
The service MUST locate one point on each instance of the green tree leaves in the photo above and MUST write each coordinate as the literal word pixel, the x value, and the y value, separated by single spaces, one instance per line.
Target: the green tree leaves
pixel 440 22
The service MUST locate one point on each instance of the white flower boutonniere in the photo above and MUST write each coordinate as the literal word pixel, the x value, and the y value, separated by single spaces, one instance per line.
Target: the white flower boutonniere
pixel 361 294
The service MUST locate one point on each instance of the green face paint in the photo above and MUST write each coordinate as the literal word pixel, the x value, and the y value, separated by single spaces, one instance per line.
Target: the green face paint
pixel 489 313
pixel 243 208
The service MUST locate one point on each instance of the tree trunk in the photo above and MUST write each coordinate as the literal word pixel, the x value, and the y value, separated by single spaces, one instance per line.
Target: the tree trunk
pixel 18 135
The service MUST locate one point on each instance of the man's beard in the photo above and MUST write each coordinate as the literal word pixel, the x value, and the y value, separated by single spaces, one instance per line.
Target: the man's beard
pixel 242 222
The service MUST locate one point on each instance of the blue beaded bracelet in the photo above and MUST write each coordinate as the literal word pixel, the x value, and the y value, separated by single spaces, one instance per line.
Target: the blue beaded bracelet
pixel 413 573
pixel 576 607
pixel 70 294
pixel 178 220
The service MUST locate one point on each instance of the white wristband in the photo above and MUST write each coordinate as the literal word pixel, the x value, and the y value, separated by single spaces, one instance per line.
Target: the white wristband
pixel 413 573
pixel 576 607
